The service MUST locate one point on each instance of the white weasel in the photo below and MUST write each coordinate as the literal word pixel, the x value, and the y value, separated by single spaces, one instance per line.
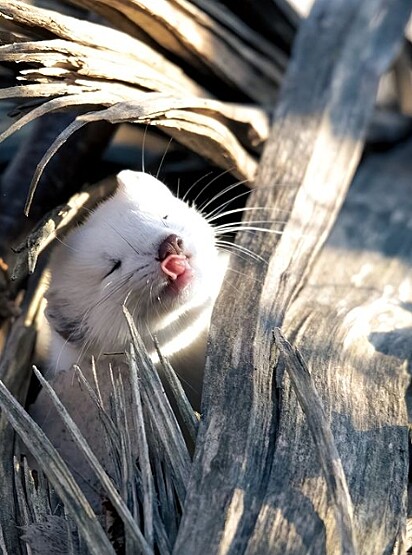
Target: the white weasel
pixel 148 249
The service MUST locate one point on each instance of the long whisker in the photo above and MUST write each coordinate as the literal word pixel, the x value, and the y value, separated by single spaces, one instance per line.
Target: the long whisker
pixel 163 157
pixel 240 248
pixel 125 239
pixel 211 218
pixel 245 224
pixel 229 269
pixel 234 252
pixel 194 185
pixel 219 208
pixel 144 147
pixel 178 188
pixel 209 183
pixel 224 191
pixel 57 238
pixel 249 229
pixel 223 205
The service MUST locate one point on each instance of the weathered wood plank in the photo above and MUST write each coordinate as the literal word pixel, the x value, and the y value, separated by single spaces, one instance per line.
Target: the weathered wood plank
pixel 353 323
pixel 326 452
pixel 312 154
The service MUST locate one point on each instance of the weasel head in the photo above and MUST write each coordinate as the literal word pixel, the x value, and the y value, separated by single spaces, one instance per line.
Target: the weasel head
pixel 143 247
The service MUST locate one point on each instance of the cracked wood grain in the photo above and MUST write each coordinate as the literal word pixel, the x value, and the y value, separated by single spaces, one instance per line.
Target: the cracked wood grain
pixel 306 168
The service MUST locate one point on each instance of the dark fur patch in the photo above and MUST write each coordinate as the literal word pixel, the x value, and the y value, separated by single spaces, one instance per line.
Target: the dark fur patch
pixel 70 330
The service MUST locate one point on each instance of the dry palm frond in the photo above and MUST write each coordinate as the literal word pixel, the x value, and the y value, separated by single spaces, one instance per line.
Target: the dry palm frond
pixel 83 65
pixel 194 36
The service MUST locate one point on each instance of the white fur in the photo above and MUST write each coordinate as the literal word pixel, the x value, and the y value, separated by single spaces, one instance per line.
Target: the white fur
pixel 129 227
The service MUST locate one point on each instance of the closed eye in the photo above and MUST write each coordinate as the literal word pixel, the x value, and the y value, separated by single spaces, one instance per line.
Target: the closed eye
pixel 116 266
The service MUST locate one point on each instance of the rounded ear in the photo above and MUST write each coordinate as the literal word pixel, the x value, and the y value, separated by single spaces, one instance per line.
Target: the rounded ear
pixel 127 180
pixel 141 187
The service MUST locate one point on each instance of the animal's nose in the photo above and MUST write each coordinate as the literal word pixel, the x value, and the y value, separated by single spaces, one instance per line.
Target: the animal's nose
pixel 173 244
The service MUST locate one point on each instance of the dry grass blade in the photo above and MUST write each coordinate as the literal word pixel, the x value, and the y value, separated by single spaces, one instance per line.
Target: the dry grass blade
pixel 212 140
pixel 46 527
pixel 69 59
pixel 143 107
pixel 162 417
pixel 3 546
pixel 21 498
pixel 130 426
pixel 127 459
pixel 207 114
pixel 143 452
pixel 14 373
pixel 46 90
pixel 124 465
pixel 57 472
pixel 51 151
pixel 130 525
pixel 108 423
pixel 83 99
pixel 17 354
pixel 258 60
pixel 52 535
pixel 38 497
pixel 222 14
pixel 329 458
pixel 125 441
pixel 182 402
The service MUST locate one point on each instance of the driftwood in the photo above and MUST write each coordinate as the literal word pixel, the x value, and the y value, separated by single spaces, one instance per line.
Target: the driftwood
pixel 243 495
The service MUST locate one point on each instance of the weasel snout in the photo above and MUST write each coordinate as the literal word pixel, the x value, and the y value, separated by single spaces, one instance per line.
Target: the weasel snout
pixel 174 262
pixel 173 244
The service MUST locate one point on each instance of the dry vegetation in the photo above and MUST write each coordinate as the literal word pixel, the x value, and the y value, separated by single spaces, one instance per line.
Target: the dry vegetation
pixel 296 451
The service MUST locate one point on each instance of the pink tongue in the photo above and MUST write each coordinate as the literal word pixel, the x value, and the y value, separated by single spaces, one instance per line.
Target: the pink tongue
pixel 175 265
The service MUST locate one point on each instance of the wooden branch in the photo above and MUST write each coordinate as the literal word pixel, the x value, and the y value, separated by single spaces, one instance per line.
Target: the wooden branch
pixel 235 503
